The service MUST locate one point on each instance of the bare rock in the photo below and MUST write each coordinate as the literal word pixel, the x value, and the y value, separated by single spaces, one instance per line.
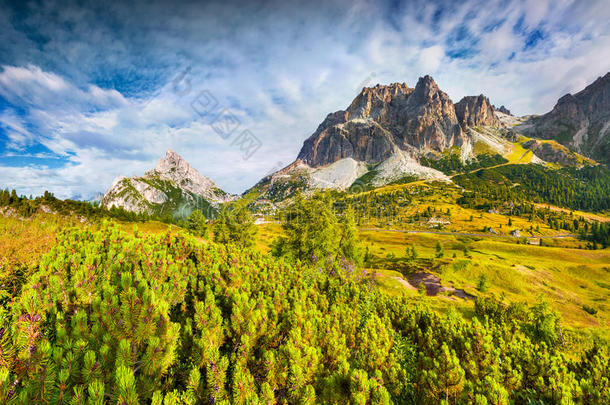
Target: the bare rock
pixel 580 121
pixel 382 120
pixel 473 111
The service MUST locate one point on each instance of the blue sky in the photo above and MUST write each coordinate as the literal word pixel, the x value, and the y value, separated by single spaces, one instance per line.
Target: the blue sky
pixel 91 91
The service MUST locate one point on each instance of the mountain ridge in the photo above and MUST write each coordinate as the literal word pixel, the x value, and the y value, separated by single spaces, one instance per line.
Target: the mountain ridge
pixel 388 133
pixel 580 121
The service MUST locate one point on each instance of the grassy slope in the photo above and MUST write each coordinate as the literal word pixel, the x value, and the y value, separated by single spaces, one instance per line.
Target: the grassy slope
pixel 569 278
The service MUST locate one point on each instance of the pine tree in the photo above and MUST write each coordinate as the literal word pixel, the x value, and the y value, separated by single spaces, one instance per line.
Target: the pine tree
pixel 483 285
pixel 235 225
pixel 348 243
pixel 440 251
pixel 196 223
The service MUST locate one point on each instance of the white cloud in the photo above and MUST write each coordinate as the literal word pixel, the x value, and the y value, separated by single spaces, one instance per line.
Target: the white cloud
pixel 32 86
pixel 430 58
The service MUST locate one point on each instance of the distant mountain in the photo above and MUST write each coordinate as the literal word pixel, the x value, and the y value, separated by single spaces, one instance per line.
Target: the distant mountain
pixel 502 110
pixel 96 198
pixel 172 187
pixel 580 121
pixel 382 138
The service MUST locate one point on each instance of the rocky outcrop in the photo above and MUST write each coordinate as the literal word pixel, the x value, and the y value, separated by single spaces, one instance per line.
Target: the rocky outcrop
pixel 171 185
pixel 474 111
pixel 502 109
pixel 383 120
pixel 174 168
pixel 580 121
pixel 553 152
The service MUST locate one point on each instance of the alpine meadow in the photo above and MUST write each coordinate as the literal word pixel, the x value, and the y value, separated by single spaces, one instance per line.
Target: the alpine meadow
pixel 404 202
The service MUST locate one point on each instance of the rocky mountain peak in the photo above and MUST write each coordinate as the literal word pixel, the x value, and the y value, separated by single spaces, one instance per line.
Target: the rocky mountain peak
pixel 502 109
pixel 475 111
pixel 372 102
pixel 172 160
pixel 173 167
pixel 173 177
pixel 382 120
pixel 426 90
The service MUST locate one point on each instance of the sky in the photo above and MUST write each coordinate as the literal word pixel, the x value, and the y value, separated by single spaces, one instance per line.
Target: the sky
pixel 93 90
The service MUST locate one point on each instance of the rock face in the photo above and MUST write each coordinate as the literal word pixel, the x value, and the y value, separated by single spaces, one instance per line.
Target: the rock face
pixel 383 120
pixel 174 168
pixel 172 185
pixel 502 109
pixel 580 121
pixel 474 111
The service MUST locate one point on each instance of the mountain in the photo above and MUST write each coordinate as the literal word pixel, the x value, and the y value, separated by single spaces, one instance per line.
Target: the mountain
pixel 383 120
pixel 383 137
pixel 172 187
pixel 580 121
pixel 553 152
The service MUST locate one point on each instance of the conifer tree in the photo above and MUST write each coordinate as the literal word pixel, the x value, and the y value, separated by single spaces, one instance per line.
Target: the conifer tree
pixel 196 223
pixel 440 251
pixel 235 225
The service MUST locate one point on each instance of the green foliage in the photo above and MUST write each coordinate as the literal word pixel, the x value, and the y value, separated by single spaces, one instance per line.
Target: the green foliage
pixel 545 324
pixel 599 233
pixel 483 284
pixel 313 232
pixel 421 288
pixel 27 207
pixel 587 188
pixel 115 318
pixel 452 163
pixel 440 250
pixel 411 253
pixel 235 225
pixel 196 223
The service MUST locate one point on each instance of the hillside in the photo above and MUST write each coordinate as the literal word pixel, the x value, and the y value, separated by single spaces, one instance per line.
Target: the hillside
pixel 408 231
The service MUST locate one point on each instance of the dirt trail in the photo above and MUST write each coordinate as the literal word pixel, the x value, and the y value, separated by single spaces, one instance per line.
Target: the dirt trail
pixel 404 283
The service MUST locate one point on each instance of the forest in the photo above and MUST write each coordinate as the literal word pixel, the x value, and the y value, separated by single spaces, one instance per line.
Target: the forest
pixel 586 189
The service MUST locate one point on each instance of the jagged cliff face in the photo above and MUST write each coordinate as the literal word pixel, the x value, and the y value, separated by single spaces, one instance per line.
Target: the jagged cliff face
pixel 580 121
pixel 384 120
pixel 474 111
pixel 173 184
